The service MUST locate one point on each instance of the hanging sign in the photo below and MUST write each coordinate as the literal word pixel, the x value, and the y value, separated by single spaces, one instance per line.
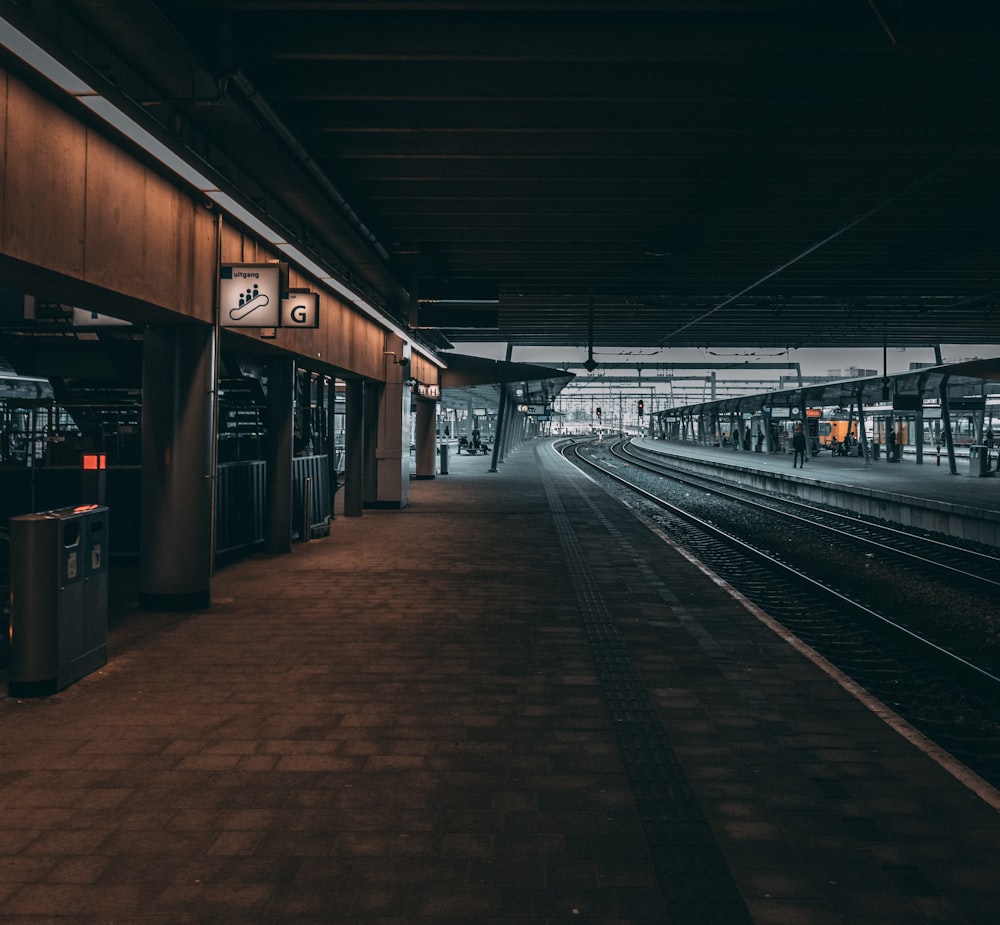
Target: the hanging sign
pixel 907 402
pixel 249 295
pixel 300 309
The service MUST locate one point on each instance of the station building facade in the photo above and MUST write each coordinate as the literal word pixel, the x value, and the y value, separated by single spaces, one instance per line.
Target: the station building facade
pixel 138 262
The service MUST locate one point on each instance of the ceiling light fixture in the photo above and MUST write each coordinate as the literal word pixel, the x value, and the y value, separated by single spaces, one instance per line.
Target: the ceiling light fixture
pixel 32 54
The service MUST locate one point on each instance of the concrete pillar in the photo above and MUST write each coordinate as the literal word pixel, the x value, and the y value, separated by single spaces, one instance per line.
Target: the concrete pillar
pixel 354 448
pixel 513 427
pixel 392 451
pixel 278 450
pixel 426 439
pixel 178 373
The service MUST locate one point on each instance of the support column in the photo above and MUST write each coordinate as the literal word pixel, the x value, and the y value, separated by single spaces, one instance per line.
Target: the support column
pixel 862 430
pixel 949 438
pixel 516 433
pixel 328 392
pixel 392 451
pixel 369 424
pixel 918 428
pixel 426 439
pixel 354 448
pixel 178 383
pixel 500 431
pixel 278 453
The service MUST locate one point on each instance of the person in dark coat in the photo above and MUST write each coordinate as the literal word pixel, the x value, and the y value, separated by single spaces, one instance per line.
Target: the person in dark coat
pixel 798 446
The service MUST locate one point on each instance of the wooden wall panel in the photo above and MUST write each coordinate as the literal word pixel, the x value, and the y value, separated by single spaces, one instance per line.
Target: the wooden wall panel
pixel 203 266
pixel 352 340
pixel 43 183
pixel 146 238
pixel 116 205
pixel 73 202
pixel 166 230
pixel 423 371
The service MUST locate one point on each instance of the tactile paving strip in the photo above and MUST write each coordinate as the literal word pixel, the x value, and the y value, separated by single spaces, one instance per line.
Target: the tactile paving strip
pixel 692 873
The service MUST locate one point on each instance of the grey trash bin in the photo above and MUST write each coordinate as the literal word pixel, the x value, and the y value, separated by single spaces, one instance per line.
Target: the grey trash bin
pixel 444 458
pixel 59 598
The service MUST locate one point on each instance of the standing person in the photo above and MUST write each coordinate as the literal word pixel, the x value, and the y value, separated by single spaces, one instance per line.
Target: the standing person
pixel 799 446
pixel 760 440
pixel 891 443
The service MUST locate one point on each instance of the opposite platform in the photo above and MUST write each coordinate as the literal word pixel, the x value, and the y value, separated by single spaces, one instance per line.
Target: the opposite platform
pixel 923 496
pixel 928 480
pixel 510 702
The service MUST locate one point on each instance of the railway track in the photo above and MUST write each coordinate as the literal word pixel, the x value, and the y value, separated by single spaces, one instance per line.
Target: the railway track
pixel 910 618
pixel 962 564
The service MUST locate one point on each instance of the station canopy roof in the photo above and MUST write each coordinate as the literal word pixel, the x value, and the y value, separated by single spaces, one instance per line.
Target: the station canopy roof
pixel 971 380
pixel 538 383
pixel 477 381
pixel 625 173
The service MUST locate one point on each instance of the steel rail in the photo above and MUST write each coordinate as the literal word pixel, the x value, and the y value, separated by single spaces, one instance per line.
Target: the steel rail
pixel 621 451
pixel 974 673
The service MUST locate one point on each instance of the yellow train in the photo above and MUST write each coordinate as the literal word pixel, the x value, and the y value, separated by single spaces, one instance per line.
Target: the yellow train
pixel 829 430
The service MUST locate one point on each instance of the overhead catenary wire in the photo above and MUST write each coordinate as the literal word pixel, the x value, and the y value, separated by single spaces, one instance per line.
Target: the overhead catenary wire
pixel 854 222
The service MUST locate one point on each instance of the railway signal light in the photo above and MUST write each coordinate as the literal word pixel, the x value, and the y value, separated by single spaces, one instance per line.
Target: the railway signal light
pixel 641 406
pixel 598 412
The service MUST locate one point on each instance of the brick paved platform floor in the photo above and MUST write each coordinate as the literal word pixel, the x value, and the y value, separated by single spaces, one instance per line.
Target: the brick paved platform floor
pixel 508 703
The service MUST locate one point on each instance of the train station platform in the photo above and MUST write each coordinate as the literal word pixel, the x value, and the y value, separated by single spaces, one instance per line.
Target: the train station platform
pixel 926 494
pixel 510 702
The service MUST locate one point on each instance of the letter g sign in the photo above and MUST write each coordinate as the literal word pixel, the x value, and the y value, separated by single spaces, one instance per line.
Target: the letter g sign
pixel 300 309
